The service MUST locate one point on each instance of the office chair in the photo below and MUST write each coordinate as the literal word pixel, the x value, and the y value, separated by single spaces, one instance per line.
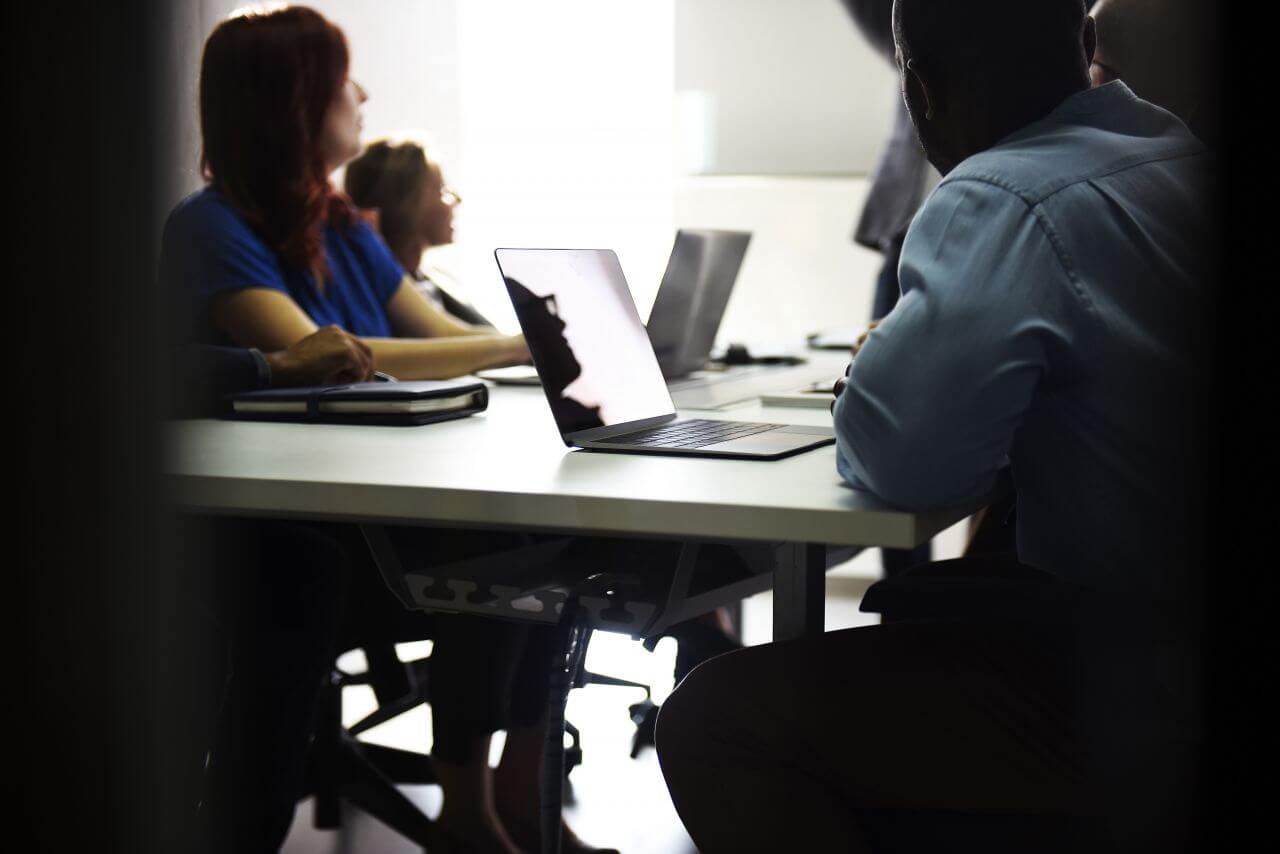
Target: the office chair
pixel 1002 590
pixel 936 592
pixel 697 641
pixel 341 766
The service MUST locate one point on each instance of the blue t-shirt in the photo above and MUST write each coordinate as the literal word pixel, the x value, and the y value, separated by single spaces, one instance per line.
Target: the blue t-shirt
pixel 209 248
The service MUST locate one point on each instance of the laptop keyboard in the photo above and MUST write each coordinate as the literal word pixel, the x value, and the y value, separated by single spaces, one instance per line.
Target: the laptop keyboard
pixel 694 433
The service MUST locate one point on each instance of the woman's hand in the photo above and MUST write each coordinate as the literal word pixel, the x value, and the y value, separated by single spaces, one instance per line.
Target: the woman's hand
pixel 329 356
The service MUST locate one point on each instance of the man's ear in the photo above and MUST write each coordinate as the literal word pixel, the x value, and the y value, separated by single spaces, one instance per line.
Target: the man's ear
pixel 917 91
pixel 1090 39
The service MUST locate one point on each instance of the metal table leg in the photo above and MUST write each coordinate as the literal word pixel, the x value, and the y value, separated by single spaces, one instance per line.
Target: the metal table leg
pixel 799 594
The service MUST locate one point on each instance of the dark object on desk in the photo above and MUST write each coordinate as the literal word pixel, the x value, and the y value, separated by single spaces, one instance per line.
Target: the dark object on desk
pixel 738 354
pixel 373 403
pixel 838 338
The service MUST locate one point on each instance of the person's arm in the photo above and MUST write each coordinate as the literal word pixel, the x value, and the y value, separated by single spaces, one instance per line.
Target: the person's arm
pixel 327 357
pixel 445 358
pixel 938 389
pixel 206 374
pixel 414 316
pixel 270 320
pixel 330 356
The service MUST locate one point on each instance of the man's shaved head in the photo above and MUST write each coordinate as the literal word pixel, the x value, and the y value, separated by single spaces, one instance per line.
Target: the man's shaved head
pixel 986 40
pixel 975 67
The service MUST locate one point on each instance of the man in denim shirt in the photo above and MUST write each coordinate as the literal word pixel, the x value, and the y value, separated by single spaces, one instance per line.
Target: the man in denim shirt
pixel 1052 292
pixel 1050 289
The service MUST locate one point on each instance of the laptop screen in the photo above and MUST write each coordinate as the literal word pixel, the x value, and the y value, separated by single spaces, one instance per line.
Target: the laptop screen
pixel 694 293
pixel 582 327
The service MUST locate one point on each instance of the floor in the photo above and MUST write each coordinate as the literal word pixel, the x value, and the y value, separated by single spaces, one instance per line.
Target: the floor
pixel 620 801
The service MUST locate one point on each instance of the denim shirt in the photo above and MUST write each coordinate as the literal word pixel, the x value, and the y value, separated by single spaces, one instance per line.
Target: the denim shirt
pixel 1051 287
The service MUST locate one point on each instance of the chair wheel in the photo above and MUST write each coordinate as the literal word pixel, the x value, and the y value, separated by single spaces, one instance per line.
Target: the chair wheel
pixel 572 759
pixel 645 716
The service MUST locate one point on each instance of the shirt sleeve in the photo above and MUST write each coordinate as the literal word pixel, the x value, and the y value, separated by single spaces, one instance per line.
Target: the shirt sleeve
pixel 939 389
pixel 385 271
pixel 207 374
pixel 209 248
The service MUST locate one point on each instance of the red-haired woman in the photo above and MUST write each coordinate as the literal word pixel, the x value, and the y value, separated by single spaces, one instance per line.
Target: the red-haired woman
pixel 270 251
pixel 264 255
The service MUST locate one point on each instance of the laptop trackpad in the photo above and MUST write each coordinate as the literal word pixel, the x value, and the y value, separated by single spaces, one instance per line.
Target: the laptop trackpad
pixel 772 441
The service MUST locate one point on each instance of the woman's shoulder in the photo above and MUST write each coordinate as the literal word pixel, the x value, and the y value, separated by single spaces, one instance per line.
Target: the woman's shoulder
pixel 207 213
pixel 372 255
pixel 362 232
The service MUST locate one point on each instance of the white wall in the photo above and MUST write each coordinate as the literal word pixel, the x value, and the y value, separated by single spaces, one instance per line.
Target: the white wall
pixel 780 87
pixel 191 23
pixel 404 52
pixel 405 55
pixel 569 123
pixel 802 272
pixel 566 137
pixel 781 109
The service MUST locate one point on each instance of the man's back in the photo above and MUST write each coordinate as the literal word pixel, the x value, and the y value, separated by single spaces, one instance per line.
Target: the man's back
pixel 1051 288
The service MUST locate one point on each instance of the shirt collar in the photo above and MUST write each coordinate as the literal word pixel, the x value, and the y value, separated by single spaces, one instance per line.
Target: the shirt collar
pixel 1076 107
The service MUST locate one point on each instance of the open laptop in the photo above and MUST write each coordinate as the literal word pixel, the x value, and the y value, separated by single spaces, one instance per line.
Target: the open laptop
pixel 691 300
pixel 686 316
pixel 689 306
pixel 599 371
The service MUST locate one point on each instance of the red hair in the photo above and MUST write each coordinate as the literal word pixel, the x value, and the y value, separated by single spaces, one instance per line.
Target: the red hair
pixel 267 81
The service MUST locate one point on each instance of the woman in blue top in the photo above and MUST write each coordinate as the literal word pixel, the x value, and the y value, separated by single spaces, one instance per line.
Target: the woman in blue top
pixel 270 251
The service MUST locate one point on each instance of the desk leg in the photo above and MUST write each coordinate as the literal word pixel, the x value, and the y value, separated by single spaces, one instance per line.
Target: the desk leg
pixel 566 673
pixel 799 591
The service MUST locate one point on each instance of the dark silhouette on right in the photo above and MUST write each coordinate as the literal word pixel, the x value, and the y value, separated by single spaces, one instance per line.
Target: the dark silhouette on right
pixel 557 366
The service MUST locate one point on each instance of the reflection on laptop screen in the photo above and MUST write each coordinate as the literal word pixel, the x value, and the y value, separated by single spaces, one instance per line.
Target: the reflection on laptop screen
pixel 591 350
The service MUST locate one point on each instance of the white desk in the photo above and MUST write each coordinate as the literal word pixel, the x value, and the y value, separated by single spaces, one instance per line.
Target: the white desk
pixel 508 469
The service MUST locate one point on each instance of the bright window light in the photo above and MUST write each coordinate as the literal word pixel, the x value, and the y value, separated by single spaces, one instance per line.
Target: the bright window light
pixel 565 138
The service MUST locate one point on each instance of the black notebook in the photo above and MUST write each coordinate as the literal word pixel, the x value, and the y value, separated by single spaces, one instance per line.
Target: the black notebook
pixel 393 403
